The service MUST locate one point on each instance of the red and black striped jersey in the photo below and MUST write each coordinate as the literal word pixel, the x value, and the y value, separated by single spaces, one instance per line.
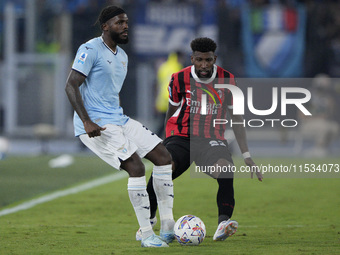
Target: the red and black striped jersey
pixel 190 93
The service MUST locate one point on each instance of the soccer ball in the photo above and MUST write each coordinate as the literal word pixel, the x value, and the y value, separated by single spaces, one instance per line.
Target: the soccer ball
pixel 189 230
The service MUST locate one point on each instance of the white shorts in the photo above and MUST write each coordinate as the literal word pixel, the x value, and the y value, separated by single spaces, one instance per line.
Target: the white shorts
pixel 118 143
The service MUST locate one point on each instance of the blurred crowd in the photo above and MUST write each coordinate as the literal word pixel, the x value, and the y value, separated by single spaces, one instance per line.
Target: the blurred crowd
pixel 322 53
pixel 322 35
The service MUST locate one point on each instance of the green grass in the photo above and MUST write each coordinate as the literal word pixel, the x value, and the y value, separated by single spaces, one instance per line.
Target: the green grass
pixel 25 177
pixel 278 216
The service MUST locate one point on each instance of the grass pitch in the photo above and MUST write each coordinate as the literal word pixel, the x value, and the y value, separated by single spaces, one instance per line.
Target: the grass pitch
pixel 278 216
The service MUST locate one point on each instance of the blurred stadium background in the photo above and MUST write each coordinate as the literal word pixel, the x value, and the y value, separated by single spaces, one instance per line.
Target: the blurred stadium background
pixel 256 39
pixel 265 43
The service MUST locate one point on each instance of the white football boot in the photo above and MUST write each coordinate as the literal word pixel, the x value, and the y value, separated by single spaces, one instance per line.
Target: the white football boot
pixel 153 222
pixel 168 236
pixel 225 229
pixel 153 241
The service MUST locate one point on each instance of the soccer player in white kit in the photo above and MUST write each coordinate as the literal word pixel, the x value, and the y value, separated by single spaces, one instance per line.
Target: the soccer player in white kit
pixel 98 72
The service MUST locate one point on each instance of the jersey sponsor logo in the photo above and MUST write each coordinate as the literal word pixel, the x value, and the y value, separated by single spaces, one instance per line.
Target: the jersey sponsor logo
pixel 82 58
pixel 208 108
pixel 203 106
pixel 88 48
pixel 188 99
pixel 108 61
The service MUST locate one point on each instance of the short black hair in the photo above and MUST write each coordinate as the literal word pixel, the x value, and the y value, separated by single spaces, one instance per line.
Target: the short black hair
pixel 108 13
pixel 203 44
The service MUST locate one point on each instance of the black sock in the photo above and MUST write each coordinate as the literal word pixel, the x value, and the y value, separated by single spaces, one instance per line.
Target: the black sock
pixel 222 218
pixel 225 198
pixel 152 198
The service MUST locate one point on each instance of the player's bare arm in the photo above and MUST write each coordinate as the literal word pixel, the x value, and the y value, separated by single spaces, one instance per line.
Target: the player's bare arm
pixel 74 80
pixel 241 138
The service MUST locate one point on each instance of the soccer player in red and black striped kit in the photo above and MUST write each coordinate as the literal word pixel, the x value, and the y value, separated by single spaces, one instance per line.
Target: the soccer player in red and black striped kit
pixel 190 132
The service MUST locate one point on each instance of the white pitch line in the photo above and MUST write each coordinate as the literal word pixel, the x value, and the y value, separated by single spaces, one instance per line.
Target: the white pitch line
pixel 66 192
pixel 275 226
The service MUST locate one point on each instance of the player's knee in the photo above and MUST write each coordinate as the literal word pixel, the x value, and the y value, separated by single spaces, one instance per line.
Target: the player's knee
pixel 134 167
pixel 137 171
pixel 223 162
pixel 224 169
pixel 163 157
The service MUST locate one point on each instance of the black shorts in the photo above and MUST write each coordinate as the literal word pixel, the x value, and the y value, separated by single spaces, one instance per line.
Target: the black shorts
pixel 202 151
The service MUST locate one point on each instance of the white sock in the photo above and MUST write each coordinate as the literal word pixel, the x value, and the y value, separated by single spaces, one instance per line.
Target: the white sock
pixel 163 186
pixel 140 201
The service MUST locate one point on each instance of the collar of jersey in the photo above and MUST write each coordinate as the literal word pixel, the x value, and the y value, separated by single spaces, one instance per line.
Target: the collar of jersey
pixel 114 53
pixel 194 75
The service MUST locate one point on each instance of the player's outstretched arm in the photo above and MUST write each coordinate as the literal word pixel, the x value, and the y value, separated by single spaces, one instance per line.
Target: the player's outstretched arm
pixel 241 138
pixel 74 80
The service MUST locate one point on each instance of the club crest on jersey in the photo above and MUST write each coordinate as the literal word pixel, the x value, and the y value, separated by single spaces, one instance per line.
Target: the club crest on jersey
pixel 123 149
pixel 82 58
pixel 220 93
